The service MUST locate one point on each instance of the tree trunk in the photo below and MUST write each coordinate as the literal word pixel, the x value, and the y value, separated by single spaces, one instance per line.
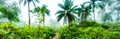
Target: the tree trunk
pixel 69 23
pixel 93 10
pixel 94 14
pixel 29 20
pixel 69 20
pixel 64 20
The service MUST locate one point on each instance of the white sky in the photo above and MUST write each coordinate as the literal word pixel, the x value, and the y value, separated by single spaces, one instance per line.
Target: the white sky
pixel 52 6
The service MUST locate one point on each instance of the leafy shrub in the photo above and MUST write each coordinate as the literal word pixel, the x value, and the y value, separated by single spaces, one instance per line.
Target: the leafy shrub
pixel 87 33
pixel 10 31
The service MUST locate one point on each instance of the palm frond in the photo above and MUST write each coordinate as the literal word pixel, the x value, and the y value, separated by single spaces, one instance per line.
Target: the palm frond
pixel 59 17
pixel 61 6
pixel 60 12
pixel 74 9
pixel 25 1
pixel 48 12
pixel 100 5
pixel 37 1
pixel 73 17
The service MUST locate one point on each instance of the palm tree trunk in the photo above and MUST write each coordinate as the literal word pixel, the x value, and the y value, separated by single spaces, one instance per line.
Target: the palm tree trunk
pixel 29 20
pixel 64 20
pixel 69 20
pixel 69 23
pixel 94 10
pixel 94 14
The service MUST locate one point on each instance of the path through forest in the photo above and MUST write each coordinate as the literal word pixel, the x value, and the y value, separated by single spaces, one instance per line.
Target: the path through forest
pixel 56 36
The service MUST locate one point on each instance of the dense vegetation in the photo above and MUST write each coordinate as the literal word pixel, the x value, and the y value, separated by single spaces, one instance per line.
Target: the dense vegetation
pixel 11 31
pixel 94 31
pixel 94 19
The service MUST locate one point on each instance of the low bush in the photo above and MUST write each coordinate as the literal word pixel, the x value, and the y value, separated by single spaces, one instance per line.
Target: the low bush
pixel 11 31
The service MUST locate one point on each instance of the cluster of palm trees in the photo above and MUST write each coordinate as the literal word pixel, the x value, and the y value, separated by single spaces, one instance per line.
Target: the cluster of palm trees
pixel 69 11
pixel 41 11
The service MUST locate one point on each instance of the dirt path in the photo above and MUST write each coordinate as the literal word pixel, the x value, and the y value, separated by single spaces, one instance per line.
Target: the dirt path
pixel 56 36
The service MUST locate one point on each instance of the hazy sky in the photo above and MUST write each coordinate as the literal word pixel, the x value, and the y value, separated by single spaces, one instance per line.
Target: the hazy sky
pixel 52 6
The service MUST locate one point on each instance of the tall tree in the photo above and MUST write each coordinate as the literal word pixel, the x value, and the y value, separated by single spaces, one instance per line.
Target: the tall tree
pixel 28 2
pixel 94 4
pixel 84 11
pixel 67 12
pixel 44 11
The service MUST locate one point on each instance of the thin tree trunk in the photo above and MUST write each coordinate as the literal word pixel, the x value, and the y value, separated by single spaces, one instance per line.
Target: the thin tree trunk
pixel 93 10
pixel 94 14
pixel 29 20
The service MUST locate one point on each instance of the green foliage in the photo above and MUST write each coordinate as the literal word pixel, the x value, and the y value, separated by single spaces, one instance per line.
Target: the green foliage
pixel 96 32
pixel 10 31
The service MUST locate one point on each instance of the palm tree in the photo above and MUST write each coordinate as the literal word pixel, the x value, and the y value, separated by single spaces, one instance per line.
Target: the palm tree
pixel 84 11
pixel 28 2
pixel 67 12
pixel 94 4
pixel 44 11
pixel 10 12
pixel 41 12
